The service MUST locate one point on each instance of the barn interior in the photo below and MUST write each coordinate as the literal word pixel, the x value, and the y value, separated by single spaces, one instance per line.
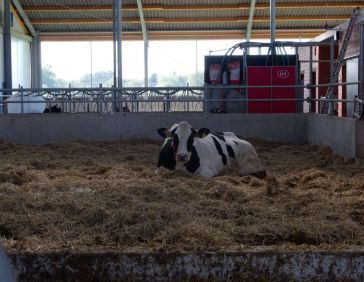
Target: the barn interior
pixel 92 157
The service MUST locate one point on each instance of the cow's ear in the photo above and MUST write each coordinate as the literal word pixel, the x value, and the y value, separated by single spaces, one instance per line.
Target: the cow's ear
pixel 164 132
pixel 203 132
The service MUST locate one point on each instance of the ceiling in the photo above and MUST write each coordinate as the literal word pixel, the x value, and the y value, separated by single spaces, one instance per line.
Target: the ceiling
pixel 185 19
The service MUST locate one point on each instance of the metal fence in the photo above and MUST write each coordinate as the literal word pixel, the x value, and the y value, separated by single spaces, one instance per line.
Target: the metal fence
pixel 156 99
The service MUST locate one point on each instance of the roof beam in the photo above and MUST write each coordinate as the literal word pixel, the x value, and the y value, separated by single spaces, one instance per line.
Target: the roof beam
pixel 24 17
pixel 242 6
pixel 250 20
pixel 145 38
pixel 188 20
pixel 181 35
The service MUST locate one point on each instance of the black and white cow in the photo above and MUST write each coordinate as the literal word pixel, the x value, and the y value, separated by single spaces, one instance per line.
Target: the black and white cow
pixel 206 154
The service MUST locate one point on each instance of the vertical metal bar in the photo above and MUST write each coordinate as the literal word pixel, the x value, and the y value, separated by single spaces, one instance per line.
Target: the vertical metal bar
pixel 272 21
pixel 146 46
pixel 91 61
pixel 250 21
pixel 114 96
pixel 36 65
pixel 332 54
pixel 21 100
pixel 245 91
pixel 205 100
pixel 119 55
pixel 361 68
pixel 310 80
pixel 196 62
pixel 7 47
pixel 297 90
pixel 145 38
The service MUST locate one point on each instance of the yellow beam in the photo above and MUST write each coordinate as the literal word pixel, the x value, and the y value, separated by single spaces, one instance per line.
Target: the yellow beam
pixel 183 35
pixel 241 6
pixel 187 20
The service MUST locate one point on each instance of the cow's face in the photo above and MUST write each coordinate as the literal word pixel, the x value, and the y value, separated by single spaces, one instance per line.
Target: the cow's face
pixel 183 136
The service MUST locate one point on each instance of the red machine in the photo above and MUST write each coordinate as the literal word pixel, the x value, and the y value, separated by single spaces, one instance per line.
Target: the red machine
pixel 268 75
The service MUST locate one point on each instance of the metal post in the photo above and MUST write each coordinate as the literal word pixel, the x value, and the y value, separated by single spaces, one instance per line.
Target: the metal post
pixel 273 29
pixel 146 46
pixel 196 63
pixel 250 21
pixel 272 21
pixel 297 90
pixel 310 80
pixel 91 61
pixel 7 47
pixel 119 56
pixel 245 76
pixel 114 96
pixel 332 49
pixel 145 38
pixel 36 64
pixel 21 100
pixel 361 69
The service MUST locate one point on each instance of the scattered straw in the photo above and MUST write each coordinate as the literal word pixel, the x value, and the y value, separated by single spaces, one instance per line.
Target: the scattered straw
pixel 81 196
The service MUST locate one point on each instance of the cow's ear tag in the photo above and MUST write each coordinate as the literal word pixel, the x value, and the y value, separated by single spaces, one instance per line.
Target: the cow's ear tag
pixel 164 132
pixel 203 132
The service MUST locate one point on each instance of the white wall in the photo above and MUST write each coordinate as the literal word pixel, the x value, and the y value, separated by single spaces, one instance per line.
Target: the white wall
pixel 1 57
pixel 20 56
pixel 1 44
pixel 20 61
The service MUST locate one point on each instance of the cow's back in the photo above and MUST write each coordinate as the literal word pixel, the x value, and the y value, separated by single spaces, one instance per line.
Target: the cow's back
pixel 246 156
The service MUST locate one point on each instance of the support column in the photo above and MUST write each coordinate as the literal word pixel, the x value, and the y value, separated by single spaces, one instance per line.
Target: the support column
pixel 310 84
pixel 361 68
pixel 119 54
pixel 250 21
pixel 273 29
pixel 7 52
pixel 146 47
pixel 118 31
pixel 36 64
pixel 7 45
pixel 145 38
pixel 272 21
pixel 331 111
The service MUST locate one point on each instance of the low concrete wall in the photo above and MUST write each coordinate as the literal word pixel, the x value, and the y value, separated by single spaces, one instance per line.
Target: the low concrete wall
pixel 343 135
pixel 243 266
pixel 335 132
pixel 360 141
pixel 42 129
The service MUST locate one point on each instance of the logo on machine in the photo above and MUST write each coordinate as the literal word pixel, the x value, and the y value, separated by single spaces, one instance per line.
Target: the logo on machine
pixel 283 73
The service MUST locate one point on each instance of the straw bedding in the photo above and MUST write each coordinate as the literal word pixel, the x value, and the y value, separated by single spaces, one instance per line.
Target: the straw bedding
pixel 107 196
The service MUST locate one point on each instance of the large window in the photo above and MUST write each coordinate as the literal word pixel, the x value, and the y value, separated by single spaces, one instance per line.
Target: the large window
pixel 89 63
pixel 20 61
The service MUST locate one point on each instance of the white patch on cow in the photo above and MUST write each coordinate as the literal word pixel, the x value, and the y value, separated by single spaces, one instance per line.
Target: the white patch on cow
pixel 183 132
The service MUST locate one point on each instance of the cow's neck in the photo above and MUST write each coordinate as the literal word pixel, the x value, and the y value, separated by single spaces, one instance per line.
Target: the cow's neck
pixel 194 163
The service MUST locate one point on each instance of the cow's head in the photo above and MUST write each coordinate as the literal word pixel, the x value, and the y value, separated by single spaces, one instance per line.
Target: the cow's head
pixel 183 137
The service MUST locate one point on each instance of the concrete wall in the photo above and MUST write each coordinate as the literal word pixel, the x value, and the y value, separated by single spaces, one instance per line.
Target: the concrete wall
pixel 344 136
pixel 335 132
pixel 227 266
pixel 360 141
pixel 57 128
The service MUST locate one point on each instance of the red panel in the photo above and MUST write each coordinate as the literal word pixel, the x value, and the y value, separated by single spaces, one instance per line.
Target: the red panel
pixel 259 76
pixel 283 76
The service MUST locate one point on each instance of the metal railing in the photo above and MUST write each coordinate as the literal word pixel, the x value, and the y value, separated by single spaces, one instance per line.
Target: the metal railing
pixel 154 99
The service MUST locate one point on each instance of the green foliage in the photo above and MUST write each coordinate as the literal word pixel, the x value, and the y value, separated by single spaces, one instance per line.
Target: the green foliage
pixel 50 80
